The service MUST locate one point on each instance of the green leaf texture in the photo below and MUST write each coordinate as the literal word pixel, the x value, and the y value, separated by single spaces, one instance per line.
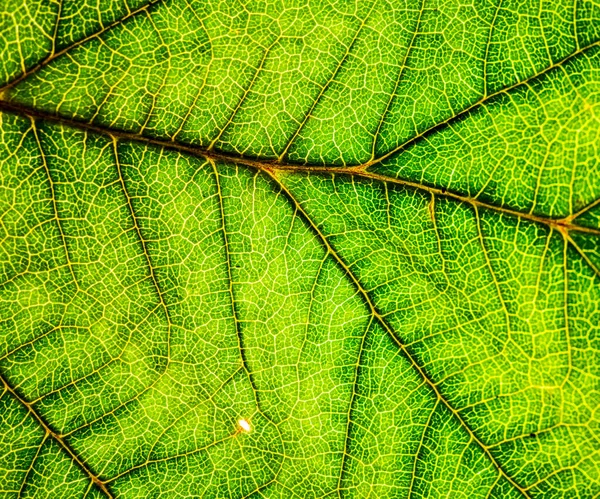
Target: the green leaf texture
pixel 370 230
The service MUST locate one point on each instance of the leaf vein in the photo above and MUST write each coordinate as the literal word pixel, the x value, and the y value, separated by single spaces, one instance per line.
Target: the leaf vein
pixel 381 319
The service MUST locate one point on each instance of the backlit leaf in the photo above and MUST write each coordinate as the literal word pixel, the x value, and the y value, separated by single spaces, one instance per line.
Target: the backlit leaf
pixel 293 249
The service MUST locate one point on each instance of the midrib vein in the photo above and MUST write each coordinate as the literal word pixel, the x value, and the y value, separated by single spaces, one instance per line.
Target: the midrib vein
pixel 563 225
pixel 58 438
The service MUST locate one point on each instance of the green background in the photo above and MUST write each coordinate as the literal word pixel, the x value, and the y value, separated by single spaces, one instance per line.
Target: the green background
pixel 370 228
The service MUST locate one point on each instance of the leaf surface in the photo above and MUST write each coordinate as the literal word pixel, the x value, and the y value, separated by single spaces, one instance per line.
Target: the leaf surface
pixel 367 232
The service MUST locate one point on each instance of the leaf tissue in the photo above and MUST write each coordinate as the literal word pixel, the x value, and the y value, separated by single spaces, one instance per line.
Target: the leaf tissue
pixel 300 249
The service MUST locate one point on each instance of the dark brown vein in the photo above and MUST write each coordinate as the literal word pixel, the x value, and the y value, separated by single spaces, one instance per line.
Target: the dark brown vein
pixel 557 223
pixel 564 225
pixel 359 171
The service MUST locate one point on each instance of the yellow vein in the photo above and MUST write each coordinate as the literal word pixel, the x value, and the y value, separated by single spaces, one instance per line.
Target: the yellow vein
pixel 420 446
pixel 206 73
pixel 477 104
pixel 327 84
pixel 583 210
pixel 398 79
pixel 117 408
pixel 489 494
pixel 438 238
pixel 232 295
pixel 566 307
pixel 32 464
pixel 488 263
pixel 172 458
pixel 172 424
pixel 359 358
pixel 487 48
pixel 244 95
pixel 167 69
pixel 145 251
pixel 56 25
pixel 54 203
pixel 583 254
pixel 575 30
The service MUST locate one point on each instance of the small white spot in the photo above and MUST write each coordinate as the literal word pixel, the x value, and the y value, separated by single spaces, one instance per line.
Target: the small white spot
pixel 244 425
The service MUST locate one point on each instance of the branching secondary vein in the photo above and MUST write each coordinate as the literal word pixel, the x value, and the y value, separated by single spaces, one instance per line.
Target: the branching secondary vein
pixel 383 322
pixel 58 438
pixel 54 55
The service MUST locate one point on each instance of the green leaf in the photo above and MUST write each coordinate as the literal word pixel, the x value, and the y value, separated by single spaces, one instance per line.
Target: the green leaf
pixel 300 249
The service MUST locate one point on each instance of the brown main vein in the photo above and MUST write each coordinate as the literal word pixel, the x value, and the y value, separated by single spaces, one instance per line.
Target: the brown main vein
pixel 564 225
